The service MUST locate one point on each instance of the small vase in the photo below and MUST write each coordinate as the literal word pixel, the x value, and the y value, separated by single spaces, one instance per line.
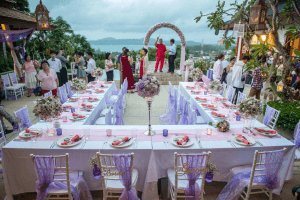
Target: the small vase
pixel 96 172
pixel 209 176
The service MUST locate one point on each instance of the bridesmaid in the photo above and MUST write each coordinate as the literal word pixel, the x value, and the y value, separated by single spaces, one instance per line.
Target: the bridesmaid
pixel 126 62
pixel 144 64
pixel 81 74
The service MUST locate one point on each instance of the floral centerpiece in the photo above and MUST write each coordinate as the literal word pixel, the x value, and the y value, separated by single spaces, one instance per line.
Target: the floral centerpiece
pixel 97 72
pixel 148 87
pixel 196 74
pixel 250 107
pixel 93 164
pixel 78 84
pixel 47 108
pixel 188 63
pixel 212 170
pixel 215 86
pixel 223 126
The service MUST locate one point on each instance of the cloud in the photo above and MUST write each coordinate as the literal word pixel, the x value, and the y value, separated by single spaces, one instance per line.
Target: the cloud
pixel 97 19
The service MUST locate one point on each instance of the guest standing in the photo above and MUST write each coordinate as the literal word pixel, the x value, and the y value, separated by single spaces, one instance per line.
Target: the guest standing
pixel 48 78
pixel 238 79
pixel 55 64
pixel 172 56
pixel 229 72
pixel 63 71
pixel 257 83
pixel 160 54
pixel 126 62
pixel 144 64
pixel 119 65
pixel 81 74
pixel 90 66
pixel 109 67
pixel 218 68
pixel 30 73
pixel 224 74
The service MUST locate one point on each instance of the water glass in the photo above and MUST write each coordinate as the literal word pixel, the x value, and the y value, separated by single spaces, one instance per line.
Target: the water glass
pixel 109 132
pixel 165 132
pixel 34 138
pixel 87 133
pixel 65 118
pixel 246 125
pixel 134 133
pixel 198 134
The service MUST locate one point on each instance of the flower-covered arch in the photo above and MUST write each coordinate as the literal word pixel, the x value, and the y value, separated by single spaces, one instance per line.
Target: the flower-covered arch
pixel 177 30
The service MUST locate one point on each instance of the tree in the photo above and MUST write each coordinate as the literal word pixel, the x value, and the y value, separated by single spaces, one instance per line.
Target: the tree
pixel 22 5
pixel 241 12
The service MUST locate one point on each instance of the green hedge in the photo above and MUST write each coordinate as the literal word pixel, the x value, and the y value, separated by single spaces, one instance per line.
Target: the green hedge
pixel 289 114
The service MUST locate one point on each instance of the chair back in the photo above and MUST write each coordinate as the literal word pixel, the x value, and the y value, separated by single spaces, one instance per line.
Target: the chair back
pixel 260 167
pixel 271 117
pixel 187 165
pixel 68 88
pixel 62 94
pixel 119 110
pixel 224 87
pixel 108 117
pixel 231 94
pixel 206 80
pixel 108 167
pixel 241 96
pixel 192 116
pixel 73 70
pixel 13 78
pixel 48 94
pixel 23 115
pixel 2 140
pixel 6 81
pixel 170 88
pixel 210 74
pixel 61 164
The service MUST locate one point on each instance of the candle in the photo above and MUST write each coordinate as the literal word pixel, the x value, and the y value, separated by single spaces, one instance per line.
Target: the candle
pixel 209 131
pixel 165 132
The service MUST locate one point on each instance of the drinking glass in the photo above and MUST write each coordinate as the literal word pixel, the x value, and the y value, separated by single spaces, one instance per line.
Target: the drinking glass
pixel 108 132
pixel 87 133
pixel 246 125
pixel 165 132
pixel 198 134
pixel 65 118
pixel 34 138
pixel 134 135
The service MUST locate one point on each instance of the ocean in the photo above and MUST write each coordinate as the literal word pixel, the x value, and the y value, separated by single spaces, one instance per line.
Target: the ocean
pixel 118 48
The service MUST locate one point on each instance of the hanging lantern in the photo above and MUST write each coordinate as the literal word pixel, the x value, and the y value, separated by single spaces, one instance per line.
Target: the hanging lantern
pixel 258 13
pixel 254 39
pixel 221 42
pixel 42 17
pixel 280 86
pixel 239 29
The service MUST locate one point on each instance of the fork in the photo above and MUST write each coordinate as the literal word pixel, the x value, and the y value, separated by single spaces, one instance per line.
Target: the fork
pixel 200 145
pixel 260 144
pixel 52 146
pixel 83 144
pixel 104 145
pixel 166 144
pixel 231 143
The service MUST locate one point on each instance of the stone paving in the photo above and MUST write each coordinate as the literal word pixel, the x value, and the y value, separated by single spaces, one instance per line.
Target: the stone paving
pixel 137 114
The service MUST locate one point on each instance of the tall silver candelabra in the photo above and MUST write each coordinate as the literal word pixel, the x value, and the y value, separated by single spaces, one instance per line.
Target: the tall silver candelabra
pixel 149 132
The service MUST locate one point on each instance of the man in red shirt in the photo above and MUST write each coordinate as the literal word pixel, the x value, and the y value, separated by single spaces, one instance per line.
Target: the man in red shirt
pixel 160 54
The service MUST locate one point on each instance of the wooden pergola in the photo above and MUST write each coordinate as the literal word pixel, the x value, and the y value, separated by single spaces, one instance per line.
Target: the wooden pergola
pixel 13 19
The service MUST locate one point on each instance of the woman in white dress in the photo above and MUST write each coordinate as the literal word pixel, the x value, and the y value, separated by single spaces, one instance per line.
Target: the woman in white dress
pixel 30 73
pixel 229 72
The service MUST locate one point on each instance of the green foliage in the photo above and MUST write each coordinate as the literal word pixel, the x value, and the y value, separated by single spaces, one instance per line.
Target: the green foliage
pixel 100 63
pixel 201 65
pixel 207 49
pixel 289 114
pixel 228 41
pixel 6 64
pixel 22 5
pixel 261 48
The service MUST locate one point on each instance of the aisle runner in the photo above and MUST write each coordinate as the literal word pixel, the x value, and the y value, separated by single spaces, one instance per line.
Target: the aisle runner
pixel 100 135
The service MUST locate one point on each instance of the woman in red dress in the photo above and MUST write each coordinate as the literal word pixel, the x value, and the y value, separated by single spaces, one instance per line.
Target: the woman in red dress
pixel 126 62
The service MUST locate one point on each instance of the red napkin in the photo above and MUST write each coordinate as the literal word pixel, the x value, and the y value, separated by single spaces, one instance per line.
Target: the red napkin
pixel 225 104
pixel 233 106
pixel 81 116
pixel 96 99
pixel 75 138
pixel 244 140
pixel 271 131
pixel 83 104
pixel 204 99
pixel 224 99
pixel 116 143
pixel 220 115
pixel 65 143
pixel 102 85
pixel 91 98
pixel 193 87
pixel 203 104
pixel 125 139
pixel 184 139
pixel 237 113
pixel 74 114
pixel 261 130
pixel 214 113
pixel 202 83
pixel 101 91
pixel 192 91
pixel 27 130
pixel 89 106
pixel 197 92
pixel 211 106
pixel 187 86
pixel 198 98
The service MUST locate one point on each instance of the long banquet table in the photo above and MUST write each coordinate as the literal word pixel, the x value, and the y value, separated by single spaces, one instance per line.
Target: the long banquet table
pixel 152 155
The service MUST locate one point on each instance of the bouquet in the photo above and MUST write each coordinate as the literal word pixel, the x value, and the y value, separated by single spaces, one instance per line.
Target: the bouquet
pixel 215 86
pixel 78 84
pixel 93 161
pixel 48 107
pixel 148 87
pixel 97 72
pixel 188 63
pixel 196 74
pixel 250 107
pixel 223 126
pixel 213 168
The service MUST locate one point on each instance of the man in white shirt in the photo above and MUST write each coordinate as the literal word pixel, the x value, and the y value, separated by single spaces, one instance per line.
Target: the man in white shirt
pixel 218 68
pixel 63 71
pixel 90 66
pixel 237 75
pixel 172 56
pixel 55 64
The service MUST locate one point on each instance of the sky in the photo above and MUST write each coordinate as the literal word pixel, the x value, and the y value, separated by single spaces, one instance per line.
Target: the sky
pixel 131 19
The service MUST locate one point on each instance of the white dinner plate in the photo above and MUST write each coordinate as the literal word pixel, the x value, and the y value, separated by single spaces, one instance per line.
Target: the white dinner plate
pixel 77 119
pixel 204 101
pixel 119 138
pixel 93 100
pixel 250 139
pixel 73 100
pixel 98 92
pixel 266 133
pixel 61 140
pixel 174 140
pixel 22 134
pixel 86 108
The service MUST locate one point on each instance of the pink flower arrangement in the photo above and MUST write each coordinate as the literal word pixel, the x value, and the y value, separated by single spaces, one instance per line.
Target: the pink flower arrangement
pixel 48 107
pixel 196 74
pixel 148 87
pixel 250 107
pixel 97 72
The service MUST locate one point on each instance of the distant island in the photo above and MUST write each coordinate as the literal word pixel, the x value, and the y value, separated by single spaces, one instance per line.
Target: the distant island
pixel 114 41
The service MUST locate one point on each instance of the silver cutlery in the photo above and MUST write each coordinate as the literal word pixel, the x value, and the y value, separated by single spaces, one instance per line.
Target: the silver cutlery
pixel 166 145
pixel 19 140
pixel 136 143
pixel 83 144
pixel 104 145
pixel 200 145
pixel 53 145
pixel 260 144
pixel 230 142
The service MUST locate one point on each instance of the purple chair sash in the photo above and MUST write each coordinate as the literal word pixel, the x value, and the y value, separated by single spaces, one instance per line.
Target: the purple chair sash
pixel 68 87
pixel 191 117
pixel 194 107
pixel 115 92
pixel 241 97
pixel 210 74
pixel 273 161
pixel 230 94
pixel 119 111
pixel 62 94
pixel 297 135
pixel 205 80
pixel 123 164
pixel 108 101
pixel 195 162
pixel 184 114
pixel 24 116
pixel 222 92
pixel 270 112
pixel 48 94
pixel 109 117
pixel 180 104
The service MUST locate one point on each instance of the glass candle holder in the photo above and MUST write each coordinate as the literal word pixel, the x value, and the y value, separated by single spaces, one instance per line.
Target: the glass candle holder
pixel 59 131
pixel 238 118
pixel 65 118
pixel 205 92
pixel 72 110
pixel 165 132
pixel 109 132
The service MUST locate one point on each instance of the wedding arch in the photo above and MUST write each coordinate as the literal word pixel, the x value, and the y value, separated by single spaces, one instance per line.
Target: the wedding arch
pixel 177 30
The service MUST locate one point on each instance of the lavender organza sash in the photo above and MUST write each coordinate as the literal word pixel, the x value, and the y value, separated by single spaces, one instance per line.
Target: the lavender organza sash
pixel 297 135
pixel 119 111
pixel 181 104
pixel 194 107
pixel 70 93
pixel 108 101
pixel 62 95
pixel 109 118
pixel 273 161
pixel 123 164
pixel 196 162
pixel 191 117
pixel 115 92
pixel 23 115
pixel 184 114
pixel 241 97
pixel 270 112
pixel 230 94
pixel 210 74
pixel 222 92
pixel 205 79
